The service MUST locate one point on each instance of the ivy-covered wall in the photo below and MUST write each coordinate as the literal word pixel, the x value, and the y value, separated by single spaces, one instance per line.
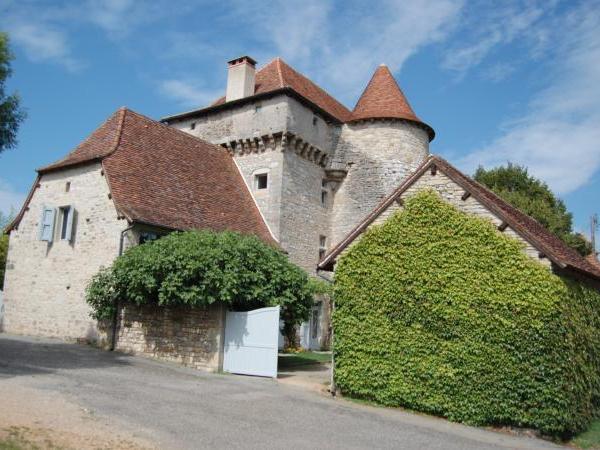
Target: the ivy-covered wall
pixel 439 312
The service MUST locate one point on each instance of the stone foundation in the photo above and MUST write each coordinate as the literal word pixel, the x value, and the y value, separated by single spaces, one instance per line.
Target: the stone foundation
pixel 192 337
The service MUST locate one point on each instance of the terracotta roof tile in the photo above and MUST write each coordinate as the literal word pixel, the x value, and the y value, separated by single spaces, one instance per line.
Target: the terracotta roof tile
pixel 531 230
pixel 162 176
pixel 100 143
pixel 279 75
pixel 383 98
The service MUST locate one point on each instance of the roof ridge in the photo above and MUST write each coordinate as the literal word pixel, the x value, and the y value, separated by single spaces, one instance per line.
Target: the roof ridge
pixel 278 63
pixel 123 112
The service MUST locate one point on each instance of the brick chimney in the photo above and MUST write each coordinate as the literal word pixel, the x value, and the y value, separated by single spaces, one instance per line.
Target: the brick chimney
pixel 240 78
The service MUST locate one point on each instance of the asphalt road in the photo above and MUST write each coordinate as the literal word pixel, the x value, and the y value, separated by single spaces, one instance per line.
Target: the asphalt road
pixel 180 408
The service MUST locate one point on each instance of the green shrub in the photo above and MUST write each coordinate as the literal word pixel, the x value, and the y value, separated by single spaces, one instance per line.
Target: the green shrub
pixel 198 268
pixel 439 312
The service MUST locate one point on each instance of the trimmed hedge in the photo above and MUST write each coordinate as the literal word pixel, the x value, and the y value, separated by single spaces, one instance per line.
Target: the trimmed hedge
pixel 439 312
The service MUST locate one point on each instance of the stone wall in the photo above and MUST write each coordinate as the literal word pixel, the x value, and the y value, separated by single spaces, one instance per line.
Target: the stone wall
pixel 303 217
pixel 378 155
pixel 45 282
pixel 245 121
pixel 452 193
pixel 189 336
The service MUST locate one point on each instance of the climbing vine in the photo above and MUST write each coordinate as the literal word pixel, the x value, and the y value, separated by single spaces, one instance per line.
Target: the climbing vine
pixel 439 312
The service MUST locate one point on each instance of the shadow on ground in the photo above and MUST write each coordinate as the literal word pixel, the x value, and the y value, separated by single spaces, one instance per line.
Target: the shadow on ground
pixel 30 356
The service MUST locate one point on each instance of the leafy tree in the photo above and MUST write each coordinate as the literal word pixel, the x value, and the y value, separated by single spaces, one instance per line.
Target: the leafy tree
pixel 532 196
pixel 11 113
pixel 4 221
pixel 199 268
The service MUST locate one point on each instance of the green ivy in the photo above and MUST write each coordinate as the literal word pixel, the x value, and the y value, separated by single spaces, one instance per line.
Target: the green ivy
pixel 198 268
pixel 439 312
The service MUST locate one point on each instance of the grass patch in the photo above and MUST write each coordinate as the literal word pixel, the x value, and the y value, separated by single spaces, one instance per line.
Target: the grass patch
pixel 287 360
pixel 15 438
pixel 589 438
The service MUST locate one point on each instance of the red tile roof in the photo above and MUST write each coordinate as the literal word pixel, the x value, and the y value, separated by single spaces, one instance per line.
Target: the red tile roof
pixel 532 231
pixel 383 98
pixel 161 176
pixel 593 260
pixel 279 75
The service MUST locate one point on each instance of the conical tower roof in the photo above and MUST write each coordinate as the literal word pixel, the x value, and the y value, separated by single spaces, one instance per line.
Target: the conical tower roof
pixel 383 99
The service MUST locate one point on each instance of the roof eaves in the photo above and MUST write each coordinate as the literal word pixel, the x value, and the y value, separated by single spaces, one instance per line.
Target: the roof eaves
pixel 286 90
pixel 15 223
pixel 329 260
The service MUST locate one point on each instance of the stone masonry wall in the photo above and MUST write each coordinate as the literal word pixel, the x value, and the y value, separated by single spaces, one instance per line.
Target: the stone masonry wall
pixel 269 200
pixel 189 336
pixel 378 156
pixel 245 121
pixel 303 217
pixel 452 193
pixel 45 282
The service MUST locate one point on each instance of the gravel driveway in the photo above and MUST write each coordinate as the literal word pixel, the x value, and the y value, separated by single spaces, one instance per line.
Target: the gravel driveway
pixel 173 407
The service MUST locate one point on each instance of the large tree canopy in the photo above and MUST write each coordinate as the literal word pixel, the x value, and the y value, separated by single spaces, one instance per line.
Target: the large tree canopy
pixel 11 113
pixel 532 196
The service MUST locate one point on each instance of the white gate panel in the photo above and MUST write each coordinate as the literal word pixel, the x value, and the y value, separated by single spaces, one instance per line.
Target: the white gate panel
pixel 251 341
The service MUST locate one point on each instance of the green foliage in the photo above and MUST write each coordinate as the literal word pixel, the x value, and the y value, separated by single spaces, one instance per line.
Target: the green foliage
pixel 11 114
pixel 439 312
pixel 532 196
pixel 198 268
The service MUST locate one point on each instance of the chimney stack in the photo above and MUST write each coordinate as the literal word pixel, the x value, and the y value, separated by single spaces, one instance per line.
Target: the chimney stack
pixel 240 78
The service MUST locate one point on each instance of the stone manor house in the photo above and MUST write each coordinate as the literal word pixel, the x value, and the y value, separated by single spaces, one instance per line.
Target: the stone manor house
pixel 276 156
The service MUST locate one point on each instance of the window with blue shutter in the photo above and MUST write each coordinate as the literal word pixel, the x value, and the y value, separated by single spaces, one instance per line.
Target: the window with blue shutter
pixel 47 224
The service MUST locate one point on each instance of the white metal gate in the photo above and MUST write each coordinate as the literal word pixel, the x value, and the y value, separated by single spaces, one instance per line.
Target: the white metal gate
pixel 251 342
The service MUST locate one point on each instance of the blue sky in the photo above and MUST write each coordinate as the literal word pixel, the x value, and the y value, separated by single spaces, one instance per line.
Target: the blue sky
pixel 498 81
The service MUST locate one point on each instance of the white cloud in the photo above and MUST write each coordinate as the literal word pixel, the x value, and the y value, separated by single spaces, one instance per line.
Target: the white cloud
pixel 342 46
pixel 46 31
pixel 10 199
pixel 43 43
pixel 485 28
pixel 188 93
pixel 558 136
pixel 499 72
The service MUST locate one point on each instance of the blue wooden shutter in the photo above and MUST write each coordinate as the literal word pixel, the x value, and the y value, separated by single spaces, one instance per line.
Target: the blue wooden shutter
pixel 47 224
pixel 70 211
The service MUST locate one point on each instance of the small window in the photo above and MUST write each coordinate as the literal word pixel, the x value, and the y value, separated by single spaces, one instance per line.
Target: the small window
pixel 68 186
pixel 314 120
pixel 147 237
pixel 260 181
pixel 322 246
pixel 67 214
pixel 257 108
pixel 193 126
pixel 324 193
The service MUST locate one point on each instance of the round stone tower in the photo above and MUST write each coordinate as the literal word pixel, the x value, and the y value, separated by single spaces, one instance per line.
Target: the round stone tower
pixel 382 143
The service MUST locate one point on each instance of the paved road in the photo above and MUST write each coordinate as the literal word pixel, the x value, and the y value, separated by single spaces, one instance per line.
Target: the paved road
pixel 185 409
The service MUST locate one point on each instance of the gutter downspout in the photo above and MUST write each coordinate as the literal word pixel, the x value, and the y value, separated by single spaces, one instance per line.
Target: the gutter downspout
pixel 332 386
pixel 115 318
